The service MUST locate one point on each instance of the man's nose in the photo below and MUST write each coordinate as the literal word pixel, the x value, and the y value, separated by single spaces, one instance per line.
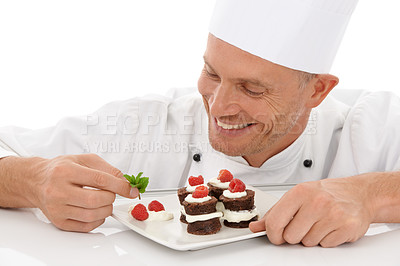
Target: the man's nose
pixel 225 100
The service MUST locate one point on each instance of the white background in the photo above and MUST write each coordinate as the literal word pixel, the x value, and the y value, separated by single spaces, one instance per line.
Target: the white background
pixel 62 58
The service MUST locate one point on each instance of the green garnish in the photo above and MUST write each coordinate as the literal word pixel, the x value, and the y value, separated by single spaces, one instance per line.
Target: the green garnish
pixel 138 182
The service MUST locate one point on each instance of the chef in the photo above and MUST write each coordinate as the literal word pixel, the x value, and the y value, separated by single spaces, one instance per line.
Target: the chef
pixel 264 108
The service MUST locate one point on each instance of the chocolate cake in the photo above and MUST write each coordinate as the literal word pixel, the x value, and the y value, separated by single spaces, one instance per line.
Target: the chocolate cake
pixel 219 184
pixel 241 224
pixel 182 193
pixel 215 191
pixel 239 205
pixel 196 208
pixel 200 212
pixel 194 181
pixel 207 227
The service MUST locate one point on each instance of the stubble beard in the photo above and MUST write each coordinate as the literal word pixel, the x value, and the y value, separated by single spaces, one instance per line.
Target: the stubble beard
pixel 260 142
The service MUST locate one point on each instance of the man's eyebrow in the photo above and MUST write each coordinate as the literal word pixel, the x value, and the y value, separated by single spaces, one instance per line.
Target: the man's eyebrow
pixel 208 64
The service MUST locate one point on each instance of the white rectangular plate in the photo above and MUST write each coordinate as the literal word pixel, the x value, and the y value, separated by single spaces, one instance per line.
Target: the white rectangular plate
pixel 173 233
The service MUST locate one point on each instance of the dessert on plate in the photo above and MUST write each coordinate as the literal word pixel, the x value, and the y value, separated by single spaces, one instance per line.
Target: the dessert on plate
pixel 155 212
pixel 239 209
pixel 219 184
pixel 201 213
pixel 194 182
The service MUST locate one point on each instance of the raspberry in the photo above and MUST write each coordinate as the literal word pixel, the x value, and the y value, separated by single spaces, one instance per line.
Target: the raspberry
pixel 225 176
pixel 236 185
pixel 156 206
pixel 196 180
pixel 200 192
pixel 139 212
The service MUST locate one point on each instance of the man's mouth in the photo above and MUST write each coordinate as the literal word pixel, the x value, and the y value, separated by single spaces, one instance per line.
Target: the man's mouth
pixel 232 126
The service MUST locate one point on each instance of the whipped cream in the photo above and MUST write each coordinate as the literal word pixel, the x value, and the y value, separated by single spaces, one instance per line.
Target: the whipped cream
pixel 190 188
pixel 189 198
pixel 234 195
pixel 238 216
pixel 160 216
pixel 201 217
pixel 183 210
pixel 155 216
pixel 220 206
pixel 217 183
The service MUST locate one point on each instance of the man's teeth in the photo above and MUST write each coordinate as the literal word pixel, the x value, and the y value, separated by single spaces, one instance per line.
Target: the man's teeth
pixel 226 126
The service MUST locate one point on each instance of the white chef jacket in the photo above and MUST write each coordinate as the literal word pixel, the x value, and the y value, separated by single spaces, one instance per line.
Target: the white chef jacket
pixel 350 133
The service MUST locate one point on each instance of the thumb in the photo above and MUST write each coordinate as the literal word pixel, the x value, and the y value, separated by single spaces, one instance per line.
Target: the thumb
pixel 257 226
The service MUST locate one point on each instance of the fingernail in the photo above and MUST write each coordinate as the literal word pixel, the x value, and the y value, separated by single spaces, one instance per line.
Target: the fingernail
pixel 134 192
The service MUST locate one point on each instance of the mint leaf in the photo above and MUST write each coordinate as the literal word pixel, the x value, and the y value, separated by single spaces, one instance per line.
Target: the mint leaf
pixel 129 178
pixel 143 182
pixel 139 182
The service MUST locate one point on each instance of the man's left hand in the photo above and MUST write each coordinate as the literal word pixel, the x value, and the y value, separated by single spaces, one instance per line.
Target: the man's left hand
pixel 329 212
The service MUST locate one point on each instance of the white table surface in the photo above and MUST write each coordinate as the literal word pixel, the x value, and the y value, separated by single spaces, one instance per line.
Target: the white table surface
pixel 25 240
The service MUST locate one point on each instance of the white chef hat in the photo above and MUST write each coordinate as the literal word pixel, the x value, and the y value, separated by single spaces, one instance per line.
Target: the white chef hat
pixel 298 34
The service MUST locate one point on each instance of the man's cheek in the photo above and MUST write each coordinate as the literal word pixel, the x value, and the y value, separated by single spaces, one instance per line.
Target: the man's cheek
pixel 262 117
pixel 206 106
pixel 204 86
pixel 265 122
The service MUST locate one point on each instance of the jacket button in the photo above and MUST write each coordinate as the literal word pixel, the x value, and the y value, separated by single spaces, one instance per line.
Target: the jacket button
pixel 307 163
pixel 197 157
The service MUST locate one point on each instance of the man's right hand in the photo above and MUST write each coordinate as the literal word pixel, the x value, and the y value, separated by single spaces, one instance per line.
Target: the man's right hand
pixel 75 192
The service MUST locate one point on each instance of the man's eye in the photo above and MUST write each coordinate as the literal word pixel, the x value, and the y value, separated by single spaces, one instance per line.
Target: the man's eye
pixel 251 93
pixel 211 75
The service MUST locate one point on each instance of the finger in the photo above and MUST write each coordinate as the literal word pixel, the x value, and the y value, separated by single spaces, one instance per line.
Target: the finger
pixel 280 215
pixel 78 226
pixel 87 215
pixel 334 239
pixel 317 232
pixel 89 198
pixel 257 226
pixel 94 161
pixel 101 180
pixel 299 226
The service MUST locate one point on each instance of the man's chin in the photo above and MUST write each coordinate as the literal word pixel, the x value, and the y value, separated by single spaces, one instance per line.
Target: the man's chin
pixel 226 149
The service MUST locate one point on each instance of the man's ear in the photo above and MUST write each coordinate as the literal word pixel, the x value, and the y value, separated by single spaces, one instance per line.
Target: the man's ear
pixel 320 88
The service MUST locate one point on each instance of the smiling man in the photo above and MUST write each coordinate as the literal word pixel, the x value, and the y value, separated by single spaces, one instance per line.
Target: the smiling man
pixel 255 108
pixel 265 114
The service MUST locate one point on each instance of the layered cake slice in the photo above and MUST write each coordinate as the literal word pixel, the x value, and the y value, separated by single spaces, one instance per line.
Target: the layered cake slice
pixel 194 181
pixel 219 184
pixel 201 214
pixel 239 209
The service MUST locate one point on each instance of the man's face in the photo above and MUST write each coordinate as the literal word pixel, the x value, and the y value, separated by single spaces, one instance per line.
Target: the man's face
pixel 255 108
